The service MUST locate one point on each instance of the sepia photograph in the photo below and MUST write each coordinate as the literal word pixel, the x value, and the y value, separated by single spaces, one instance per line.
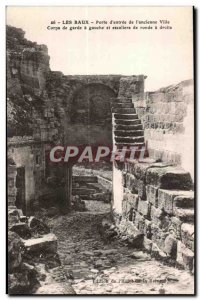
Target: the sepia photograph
pixel 100 130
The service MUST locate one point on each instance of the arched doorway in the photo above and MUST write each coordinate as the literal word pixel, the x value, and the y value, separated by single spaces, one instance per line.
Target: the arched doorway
pixel 90 116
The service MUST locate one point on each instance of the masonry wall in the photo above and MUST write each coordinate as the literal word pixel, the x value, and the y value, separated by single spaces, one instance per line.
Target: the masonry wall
pixel 157 210
pixel 168 119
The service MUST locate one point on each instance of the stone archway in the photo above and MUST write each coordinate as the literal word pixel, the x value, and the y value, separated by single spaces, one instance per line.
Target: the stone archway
pixel 91 121
pixel 90 117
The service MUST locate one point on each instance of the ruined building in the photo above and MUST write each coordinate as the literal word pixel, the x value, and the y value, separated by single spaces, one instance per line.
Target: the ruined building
pixel 153 197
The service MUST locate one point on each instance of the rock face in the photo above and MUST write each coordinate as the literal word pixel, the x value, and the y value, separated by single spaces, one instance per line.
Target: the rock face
pixel 27 69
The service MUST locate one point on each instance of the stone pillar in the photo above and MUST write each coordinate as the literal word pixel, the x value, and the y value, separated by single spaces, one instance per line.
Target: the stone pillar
pixel 68 186
pixel 118 189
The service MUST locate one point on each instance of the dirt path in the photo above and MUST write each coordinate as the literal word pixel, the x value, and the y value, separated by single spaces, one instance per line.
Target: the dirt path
pixel 97 267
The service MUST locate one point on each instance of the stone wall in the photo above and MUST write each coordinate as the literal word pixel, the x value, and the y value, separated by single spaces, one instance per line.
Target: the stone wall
pixel 157 205
pixel 168 118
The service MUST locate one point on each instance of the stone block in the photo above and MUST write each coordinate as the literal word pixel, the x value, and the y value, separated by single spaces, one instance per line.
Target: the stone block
pixel 22 230
pixel 13 216
pixel 147 228
pixel 147 244
pixel 141 189
pixel 14 251
pixel 37 226
pixel 185 200
pixel 131 183
pixel 184 256
pixel 141 168
pixel 184 214
pixel 83 179
pixel 169 178
pixel 144 208
pixel 132 199
pixel 139 222
pixel 187 235
pixel 158 236
pixel 47 243
pixel 166 199
pixel 156 215
pixel 175 227
pixel 152 195
pixel 171 246
pixel 83 191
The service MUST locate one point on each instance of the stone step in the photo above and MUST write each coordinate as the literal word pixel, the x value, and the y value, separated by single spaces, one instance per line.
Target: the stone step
pixel 121 99
pixel 92 179
pixel 133 140
pixel 127 122
pixel 184 214
pixel 169 178
pixel 96 186
pixel 128 127
pixel 121 116
pixel 129 133
pixel 82 191
pixel 122 105
pixel 186 200
pixel 123 110
pixel 139 145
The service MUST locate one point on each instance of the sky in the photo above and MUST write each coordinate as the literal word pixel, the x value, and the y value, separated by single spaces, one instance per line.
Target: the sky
pixel 164 56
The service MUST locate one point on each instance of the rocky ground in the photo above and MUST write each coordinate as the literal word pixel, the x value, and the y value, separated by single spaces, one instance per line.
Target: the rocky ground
pixel 100 266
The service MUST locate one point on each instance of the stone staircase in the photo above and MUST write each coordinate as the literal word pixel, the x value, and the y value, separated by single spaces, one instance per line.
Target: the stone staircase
pixel 127 127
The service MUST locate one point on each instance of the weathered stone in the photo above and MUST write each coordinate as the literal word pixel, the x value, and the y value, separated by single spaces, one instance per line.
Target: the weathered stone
pixel 23 219
pixel 147 244
pixel 22 230
pixel 141 168
pixel 169 178
pixel 187 235
pixel 47 243
pixel 139 222
pixel 18 283
pixel 83 191
pixel 175 227
pixel 156 215
pixel 141 189
pixel 131 183
pixel 83 179
pixel 166 199
pixel 185 201
pixel 13 216
pixel 132 199
pixel 140 255
pixel 147 228
pixel 152 195
pixel 144 208
pixel 171 246
pixel 38 226
pixel 184 256
pixel 14 251
pixel 158 236
pixel 184 214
